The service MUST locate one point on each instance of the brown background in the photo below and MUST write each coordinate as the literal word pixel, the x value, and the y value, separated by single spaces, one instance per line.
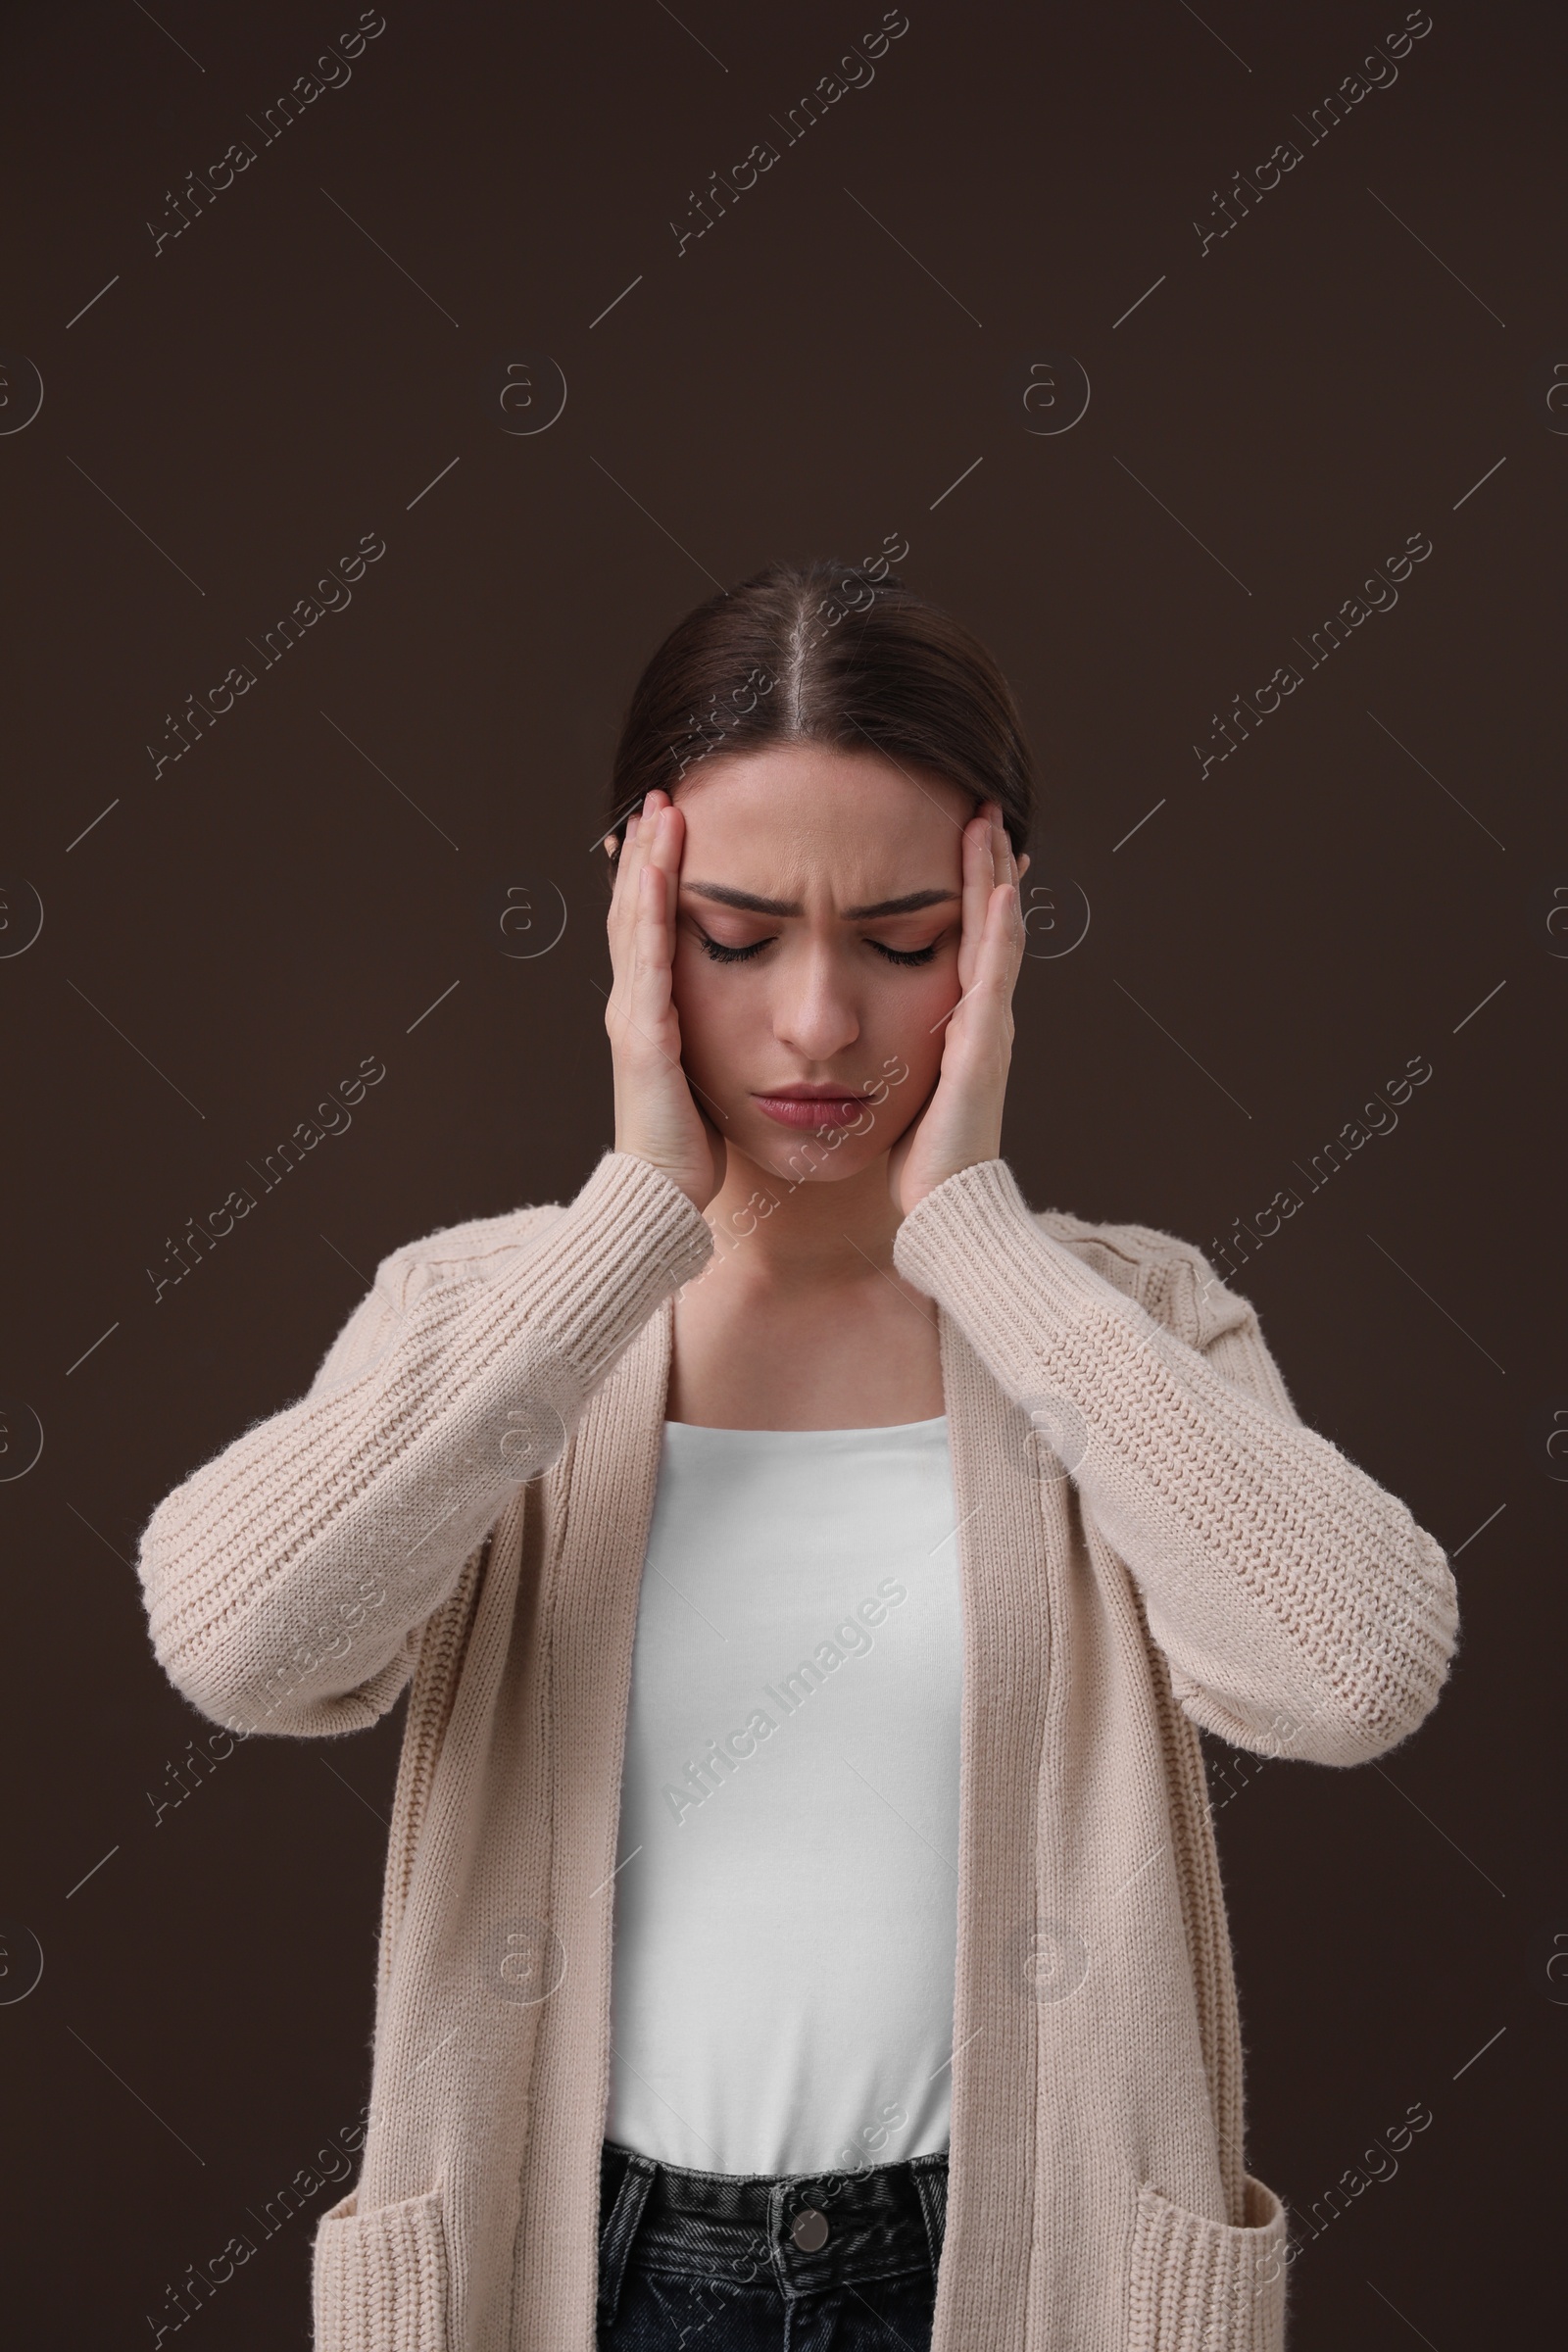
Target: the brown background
pixel 231 938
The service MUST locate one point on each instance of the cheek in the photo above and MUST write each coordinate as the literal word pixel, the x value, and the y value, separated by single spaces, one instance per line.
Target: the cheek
pixel 911 1022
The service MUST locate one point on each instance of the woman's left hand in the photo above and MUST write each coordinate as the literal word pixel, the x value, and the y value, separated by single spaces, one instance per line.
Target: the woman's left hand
pixel 960 1124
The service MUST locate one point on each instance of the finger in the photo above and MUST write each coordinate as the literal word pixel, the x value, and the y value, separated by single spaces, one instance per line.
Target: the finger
pixel 1002 849
pixel 643 820
pixel 1000 846
pixel 642 1004
pixel 665 849
pixel 993 946
pixel 640 829
pixel 1011 871
pixel 978 879
pixel 644 833
pixel 664 840
pixel 663 824
pixel 650 917
pixel 623 891
pixel 625 902
pixel 1001 946
pixel 976 883
pixel 647 990
pixel 653 879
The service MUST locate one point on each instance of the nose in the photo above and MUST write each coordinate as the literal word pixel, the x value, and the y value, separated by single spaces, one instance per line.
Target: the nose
pixel 814 1012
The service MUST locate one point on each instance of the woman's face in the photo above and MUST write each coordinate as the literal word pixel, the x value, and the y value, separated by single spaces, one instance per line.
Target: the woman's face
pixel 816 951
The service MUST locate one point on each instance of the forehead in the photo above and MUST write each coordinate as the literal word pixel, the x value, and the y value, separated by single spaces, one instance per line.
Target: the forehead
pixel 793 809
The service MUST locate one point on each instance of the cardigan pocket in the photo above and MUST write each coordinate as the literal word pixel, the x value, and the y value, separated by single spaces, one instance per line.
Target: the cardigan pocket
pixel 1197 2285
pixel 379 2279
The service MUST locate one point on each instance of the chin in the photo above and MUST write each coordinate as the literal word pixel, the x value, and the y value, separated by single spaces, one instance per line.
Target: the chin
pixel 806 1157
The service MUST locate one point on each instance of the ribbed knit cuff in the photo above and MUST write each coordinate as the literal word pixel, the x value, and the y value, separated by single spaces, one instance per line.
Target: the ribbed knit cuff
pixel 960 1245
pixel 629 1239
pixel 1275 1572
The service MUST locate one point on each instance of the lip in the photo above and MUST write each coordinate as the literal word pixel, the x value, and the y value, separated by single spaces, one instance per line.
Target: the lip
pixel 811 1106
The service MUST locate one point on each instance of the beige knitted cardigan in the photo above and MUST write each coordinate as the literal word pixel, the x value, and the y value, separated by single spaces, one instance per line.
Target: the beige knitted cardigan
pixel 463 1497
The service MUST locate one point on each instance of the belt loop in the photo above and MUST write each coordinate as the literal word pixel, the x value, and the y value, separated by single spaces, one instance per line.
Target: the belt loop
pixel 614 2240
pixel 779 2190
pixel 931 2186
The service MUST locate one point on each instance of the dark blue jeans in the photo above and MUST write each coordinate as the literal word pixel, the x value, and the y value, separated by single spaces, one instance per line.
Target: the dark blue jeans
pixel 722 2262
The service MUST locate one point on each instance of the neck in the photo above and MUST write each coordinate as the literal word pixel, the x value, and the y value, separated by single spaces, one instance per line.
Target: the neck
pixel 823 1231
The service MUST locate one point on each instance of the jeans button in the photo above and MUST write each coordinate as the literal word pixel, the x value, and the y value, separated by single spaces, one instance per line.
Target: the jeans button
pixel 809 2230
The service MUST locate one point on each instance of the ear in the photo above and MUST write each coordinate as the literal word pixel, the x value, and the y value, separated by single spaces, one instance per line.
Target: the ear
pixel 1023 865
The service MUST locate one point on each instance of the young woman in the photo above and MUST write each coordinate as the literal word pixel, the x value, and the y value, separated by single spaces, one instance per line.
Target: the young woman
pixel 809 1567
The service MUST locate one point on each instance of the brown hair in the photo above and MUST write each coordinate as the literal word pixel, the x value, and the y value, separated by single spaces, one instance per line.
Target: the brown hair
pixel 825 652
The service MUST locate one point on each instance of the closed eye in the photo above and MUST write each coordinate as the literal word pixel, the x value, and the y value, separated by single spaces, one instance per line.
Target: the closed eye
pixel 904 954
pixel 724 954
pixel 721 955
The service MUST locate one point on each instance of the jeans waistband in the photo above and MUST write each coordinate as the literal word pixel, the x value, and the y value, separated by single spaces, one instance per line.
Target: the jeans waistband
pixel 802 2232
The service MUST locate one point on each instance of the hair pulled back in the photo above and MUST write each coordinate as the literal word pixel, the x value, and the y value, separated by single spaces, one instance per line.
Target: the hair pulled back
pixel 825 652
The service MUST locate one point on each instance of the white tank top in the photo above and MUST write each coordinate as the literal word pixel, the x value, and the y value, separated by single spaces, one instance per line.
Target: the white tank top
pixel 786 1886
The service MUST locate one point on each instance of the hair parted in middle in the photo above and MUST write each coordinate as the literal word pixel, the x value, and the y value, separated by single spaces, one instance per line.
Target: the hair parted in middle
pixel 825 652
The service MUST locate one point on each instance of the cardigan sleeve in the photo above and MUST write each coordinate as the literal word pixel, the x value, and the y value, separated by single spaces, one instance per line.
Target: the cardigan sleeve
pixel 1301 1609
pixel 286 1582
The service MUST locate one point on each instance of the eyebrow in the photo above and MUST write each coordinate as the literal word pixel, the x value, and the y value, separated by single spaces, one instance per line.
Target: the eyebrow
pixel 750 904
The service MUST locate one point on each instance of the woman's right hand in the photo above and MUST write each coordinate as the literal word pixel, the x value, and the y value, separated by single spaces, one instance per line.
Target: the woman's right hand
pixel 657 1117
